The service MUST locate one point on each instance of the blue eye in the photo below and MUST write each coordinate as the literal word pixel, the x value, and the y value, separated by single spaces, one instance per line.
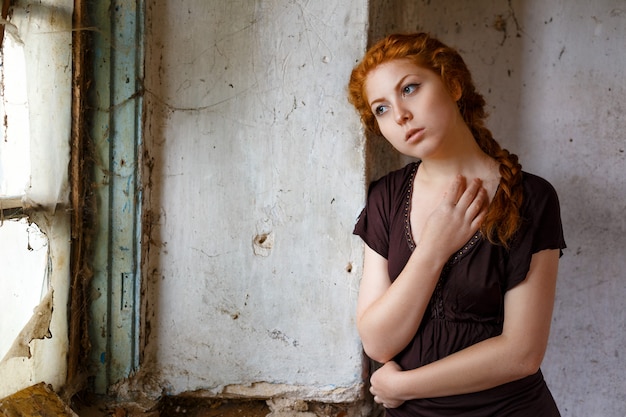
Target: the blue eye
pixel 408 89
pixel 380 110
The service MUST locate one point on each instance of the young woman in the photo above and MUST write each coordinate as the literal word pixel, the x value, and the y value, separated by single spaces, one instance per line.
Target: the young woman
pixel 462 247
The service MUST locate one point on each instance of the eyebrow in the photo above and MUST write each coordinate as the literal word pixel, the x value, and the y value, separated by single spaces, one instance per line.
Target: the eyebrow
pixel 398 84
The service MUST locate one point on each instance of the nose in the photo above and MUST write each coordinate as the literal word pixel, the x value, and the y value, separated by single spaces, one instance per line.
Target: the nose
pixel 402 114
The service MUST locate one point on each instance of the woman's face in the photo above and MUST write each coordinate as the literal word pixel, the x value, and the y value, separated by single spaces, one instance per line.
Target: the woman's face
pixel 415 111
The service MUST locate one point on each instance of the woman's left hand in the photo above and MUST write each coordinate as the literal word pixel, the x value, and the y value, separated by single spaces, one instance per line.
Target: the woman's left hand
pixel 385 384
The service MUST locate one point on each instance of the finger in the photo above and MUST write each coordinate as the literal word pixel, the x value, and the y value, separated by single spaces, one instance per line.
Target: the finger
pixel 479 208
pixel 455 191
pixel 470 193
pixel 478 204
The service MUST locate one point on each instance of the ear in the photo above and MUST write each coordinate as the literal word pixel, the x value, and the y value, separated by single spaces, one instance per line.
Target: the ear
pixel 456 91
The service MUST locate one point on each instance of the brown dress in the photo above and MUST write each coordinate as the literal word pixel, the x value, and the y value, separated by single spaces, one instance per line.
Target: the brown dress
pixel 467 305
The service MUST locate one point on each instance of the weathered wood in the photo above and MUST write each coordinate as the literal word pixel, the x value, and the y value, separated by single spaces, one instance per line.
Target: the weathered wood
pixel 35 401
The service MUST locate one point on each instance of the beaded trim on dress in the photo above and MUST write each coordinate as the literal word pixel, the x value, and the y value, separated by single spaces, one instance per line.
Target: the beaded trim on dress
pixel 436 302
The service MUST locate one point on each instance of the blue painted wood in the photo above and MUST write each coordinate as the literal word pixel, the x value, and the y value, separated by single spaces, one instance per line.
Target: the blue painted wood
pixel 116 131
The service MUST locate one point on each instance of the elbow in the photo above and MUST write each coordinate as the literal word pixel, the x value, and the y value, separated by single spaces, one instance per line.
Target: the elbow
pixel 378 353
pixel 377 348
pixel 525 355
pixel 533 364
pixel 380 357
pixel 528 364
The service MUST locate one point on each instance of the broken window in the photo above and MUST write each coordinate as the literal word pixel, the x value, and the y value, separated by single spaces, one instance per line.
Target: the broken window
pixel 15 145
pixel 23 247
pixel 35 106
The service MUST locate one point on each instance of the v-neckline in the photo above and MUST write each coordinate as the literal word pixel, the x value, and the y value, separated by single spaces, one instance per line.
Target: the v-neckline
pixel 458 254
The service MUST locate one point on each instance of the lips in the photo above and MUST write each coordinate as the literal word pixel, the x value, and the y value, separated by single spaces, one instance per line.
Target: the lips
pixel 413 135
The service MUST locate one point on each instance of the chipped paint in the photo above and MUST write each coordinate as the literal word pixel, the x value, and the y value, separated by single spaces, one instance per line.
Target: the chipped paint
pixel 115 130
pixel 38 327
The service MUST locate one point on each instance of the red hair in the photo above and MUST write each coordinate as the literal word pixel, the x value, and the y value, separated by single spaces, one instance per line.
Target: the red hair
pixel 503 216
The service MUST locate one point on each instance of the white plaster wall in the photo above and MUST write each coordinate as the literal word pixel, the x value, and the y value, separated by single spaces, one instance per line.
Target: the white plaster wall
pixel 553 75
pixel 249 138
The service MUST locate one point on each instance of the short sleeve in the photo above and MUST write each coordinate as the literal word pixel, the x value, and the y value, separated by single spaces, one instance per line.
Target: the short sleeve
pixel 381 224
pixel 373 224
pixel 541 227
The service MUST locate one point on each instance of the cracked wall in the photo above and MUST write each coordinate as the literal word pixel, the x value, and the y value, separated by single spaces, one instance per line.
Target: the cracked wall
pixel 254 170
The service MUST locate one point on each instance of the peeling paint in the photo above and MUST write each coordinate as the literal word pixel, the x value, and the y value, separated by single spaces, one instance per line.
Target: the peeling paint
pixel 38 327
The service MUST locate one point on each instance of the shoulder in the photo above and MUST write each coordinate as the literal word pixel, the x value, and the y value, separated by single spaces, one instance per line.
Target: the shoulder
pixel 534 182
pixel 540 227
pixel 538 193
pixel 383 210
pixel 541 215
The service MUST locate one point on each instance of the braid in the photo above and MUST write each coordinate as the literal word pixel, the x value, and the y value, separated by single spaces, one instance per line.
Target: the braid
pixel 503 218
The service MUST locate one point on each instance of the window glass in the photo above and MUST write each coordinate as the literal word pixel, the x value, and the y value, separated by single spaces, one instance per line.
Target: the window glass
pixel 15 138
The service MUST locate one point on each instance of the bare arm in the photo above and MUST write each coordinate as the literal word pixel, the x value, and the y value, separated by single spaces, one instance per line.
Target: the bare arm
pixel 516 353
pixel 388 315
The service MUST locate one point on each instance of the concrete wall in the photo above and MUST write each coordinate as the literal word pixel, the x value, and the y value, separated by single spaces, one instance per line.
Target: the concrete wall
pixel 255 173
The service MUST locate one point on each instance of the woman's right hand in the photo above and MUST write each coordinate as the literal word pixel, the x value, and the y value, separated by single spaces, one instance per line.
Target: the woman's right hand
pixel 455 220
pixel 388 315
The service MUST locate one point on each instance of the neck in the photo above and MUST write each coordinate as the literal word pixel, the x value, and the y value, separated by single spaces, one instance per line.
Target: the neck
pixel 464 158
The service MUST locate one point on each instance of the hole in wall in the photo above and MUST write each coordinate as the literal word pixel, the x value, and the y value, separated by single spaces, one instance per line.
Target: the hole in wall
pixel 263 243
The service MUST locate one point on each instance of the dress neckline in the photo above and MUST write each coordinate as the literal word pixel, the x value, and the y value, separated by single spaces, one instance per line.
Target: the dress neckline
pixel 457 255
